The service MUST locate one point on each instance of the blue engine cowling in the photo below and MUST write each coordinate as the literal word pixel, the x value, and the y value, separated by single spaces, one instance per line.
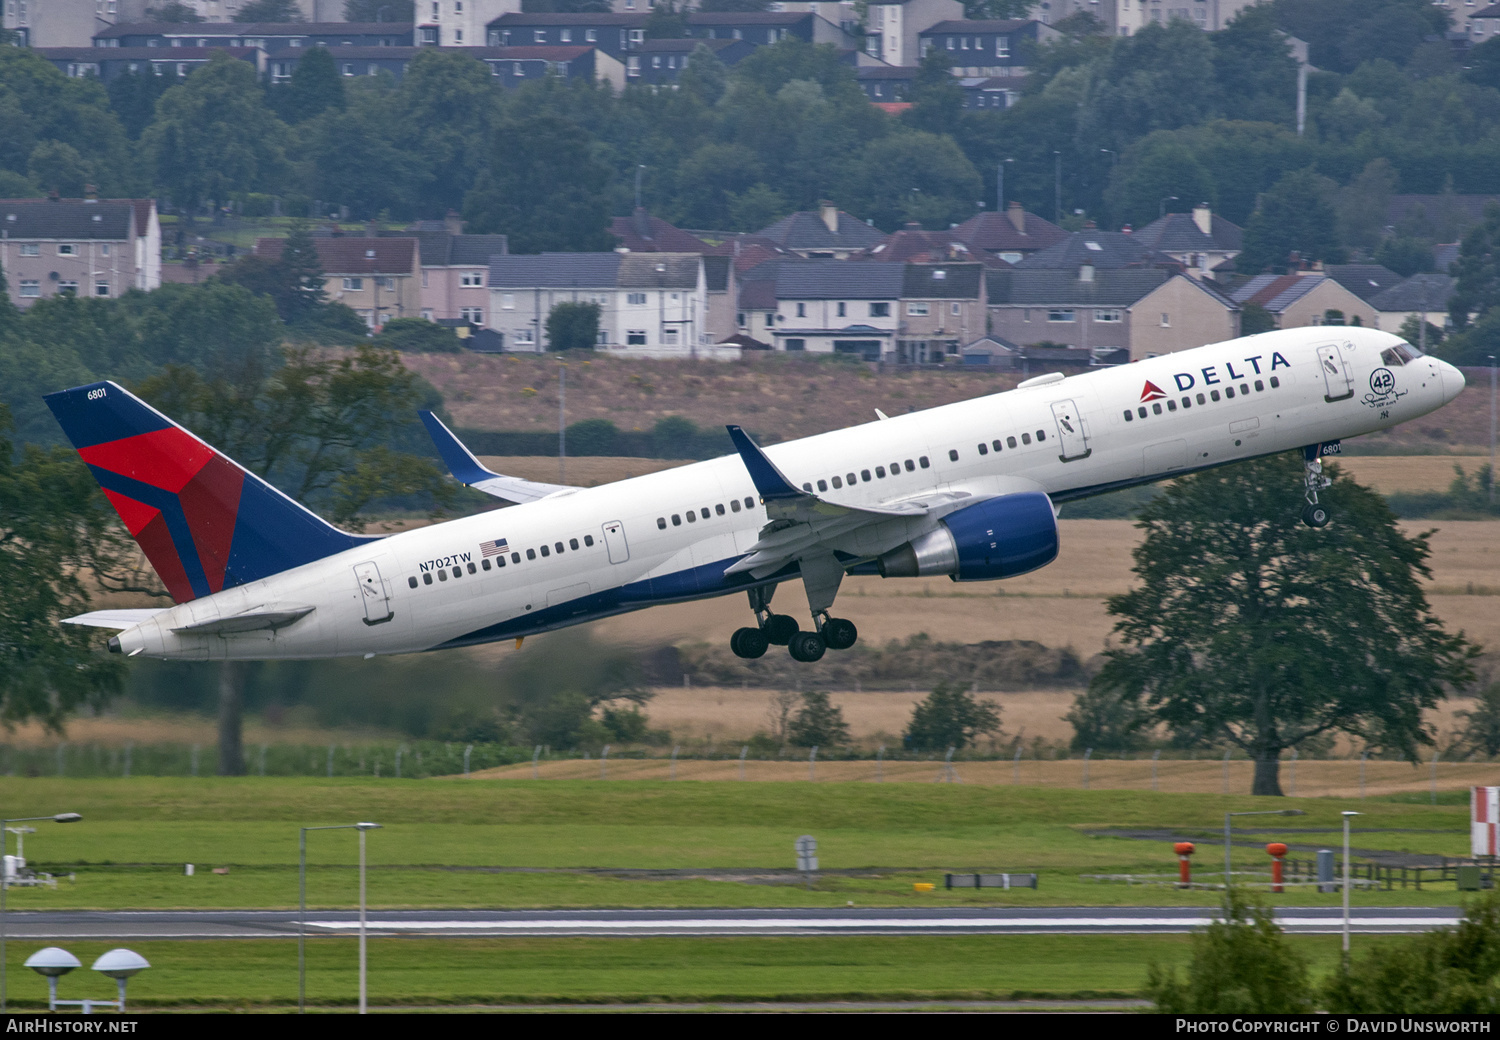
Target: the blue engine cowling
pixel 997 538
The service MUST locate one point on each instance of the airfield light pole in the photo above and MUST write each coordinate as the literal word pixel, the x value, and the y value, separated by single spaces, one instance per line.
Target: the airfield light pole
pixel 302 907
pixel 1347 814
pixel 66 817
pixel 1492 426
pixel 1229 820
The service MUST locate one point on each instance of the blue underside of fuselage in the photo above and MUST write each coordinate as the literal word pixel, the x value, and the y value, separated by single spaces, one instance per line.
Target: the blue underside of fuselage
pixel 704 582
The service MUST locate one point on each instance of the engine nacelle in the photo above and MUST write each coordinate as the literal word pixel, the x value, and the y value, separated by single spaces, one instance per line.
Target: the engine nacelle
pixel 997 538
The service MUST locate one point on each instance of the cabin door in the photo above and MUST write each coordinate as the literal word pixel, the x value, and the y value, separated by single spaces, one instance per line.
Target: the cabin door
pixel 614 541
pixel 1074 442
pixel 1336 377
pixel 372 590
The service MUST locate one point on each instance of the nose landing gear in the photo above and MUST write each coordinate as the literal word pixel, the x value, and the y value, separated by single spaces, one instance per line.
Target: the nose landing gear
pixel 1314 514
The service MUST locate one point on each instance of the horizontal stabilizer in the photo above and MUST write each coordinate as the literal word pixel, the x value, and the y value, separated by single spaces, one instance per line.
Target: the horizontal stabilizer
pixel 250 621
pixel 119 620
pixel 467 469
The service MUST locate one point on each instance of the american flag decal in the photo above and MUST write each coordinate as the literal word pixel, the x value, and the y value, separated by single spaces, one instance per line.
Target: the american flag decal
pixel 494 548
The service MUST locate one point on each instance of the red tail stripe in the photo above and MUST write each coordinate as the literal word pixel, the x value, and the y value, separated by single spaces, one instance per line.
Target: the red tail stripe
pixel 166 459
pixel 211 503
pixel 156 541
pixel 136 515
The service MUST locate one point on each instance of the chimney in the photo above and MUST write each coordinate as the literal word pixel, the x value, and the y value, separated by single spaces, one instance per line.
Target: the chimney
pixel 1086 273
pixel 641 221
pixel 1204 218
pixel 372 230
pixel 1017 216
pixel 830 214
pixel 1126 229
pixel 453 223
pixel 54 195
pixel 90 193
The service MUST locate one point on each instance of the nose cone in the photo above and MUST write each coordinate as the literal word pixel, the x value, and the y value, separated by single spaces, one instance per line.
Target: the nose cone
pixel 1453 381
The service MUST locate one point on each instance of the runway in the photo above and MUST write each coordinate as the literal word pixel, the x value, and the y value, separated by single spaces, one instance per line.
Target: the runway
pixel 249 924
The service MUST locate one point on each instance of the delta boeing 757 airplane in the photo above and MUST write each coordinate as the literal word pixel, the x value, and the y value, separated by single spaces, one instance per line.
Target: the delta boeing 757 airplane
pixel 967 490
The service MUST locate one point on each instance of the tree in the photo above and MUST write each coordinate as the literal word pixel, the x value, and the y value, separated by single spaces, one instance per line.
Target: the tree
pixel 705 75
pixel 1241 964
pixel 1362 205
pixel 1407 256
pixel 1255 319
pixel 1481 732
pixel 1477 271
pixel 912 175
pixel 417 335
pixel 543 188
pixel 937 99
pixel 269 11
pixel 213 135
pixel 817 723
pixel 666 22
pixel 1411 331
pixel 950 717
pixel 173 12
pixel 573 326
pixel 1105 721
pixel 1151 172
pixel 315 87
pixel 445 112
pixel 294 280
pixel 1296 217
pixel 400 11
pixel 1253 630
pixel 356 159
pixel 56 166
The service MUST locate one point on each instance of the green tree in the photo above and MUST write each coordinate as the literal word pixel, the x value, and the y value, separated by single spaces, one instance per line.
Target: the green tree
pixel 1407 256
pixel 269 11
pixel 543 188
pixel 913 176
pixel 1151 172
pixel 1250 629
pixel 445 113
pixel 1255 319
pixel 315 87
pixel 950 716
pixel 213 135
pixel 55 166
pixel 1477 271
pixel 1242 964
pixel 573 326
pixel 1411 331
pixel 400 11
pixel 38 103
pixel 705 76
pixel 418 335
pixel 937 99
pixel 1481 732
pixel 293 280
pixel 173 12
pixel 818 723
pixel 1363 204
pixel 553 691
pixel 133 96
pixel 1152 80
pixel 355 156
pixel 1296 216
pixel 666 22
pixel 1445 972
pixel 1105 721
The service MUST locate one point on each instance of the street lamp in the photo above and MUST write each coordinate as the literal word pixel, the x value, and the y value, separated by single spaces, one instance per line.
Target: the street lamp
pixel 66 817
pixel 1228 821
pixel 1162 209
pixel 302 904
pixel 1347 813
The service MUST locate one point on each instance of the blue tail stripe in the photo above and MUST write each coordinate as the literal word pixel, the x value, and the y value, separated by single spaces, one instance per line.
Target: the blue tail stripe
pixel 113 415
pixel 768 480
pixel 459 459
pixel 270 538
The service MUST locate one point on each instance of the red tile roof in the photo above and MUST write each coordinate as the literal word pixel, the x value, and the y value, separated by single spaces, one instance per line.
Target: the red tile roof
pixel 353 255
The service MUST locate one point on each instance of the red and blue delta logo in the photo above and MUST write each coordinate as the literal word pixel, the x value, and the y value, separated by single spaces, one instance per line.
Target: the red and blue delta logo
pixel 1151 392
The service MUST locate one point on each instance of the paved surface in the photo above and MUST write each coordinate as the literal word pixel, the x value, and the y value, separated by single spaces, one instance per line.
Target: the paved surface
pixel 243 924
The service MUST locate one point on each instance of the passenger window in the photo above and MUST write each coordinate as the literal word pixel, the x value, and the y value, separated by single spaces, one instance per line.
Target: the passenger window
pixel 693 517
pixel 485 563
pixel 676 520
pixel 661 523
pixel 499 561
pixel 704 512
pixel 1187 402
pixel 749 502
pixel 1156 408
pixel 995 443
pixel 910 465
pixel 573 544
pixel 472 568
pixel 546 552
pixel 1275 382
pixel 1041 435
pixel 880 472
pixel 1200 399
pixel 515 557
pixel 588 539
pixel 427 578
pixel 1141 411
pixel 822 485
pixel 1259 386
pixel 1129 415
pixel 458 572
pixel 922 461
pixel 895 468
pixel 1229 392
pixel 865 475
pixel 852 479
pixel 442 575
pixel 1213 395
pixel 805 487
pixel 1245 389
pixel 531 554
pixel 734 503
pixel 412 581
pixel 1171 405
pixel 1025 438
pixel 1010 442
pixel 952 454
pixel 719 509
pixel 983 449
pixel 838 482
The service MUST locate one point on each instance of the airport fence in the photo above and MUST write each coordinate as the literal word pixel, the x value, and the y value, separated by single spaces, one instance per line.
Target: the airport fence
pixel 396 760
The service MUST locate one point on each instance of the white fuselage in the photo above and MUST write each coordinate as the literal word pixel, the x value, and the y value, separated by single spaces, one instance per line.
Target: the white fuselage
pixel 643 554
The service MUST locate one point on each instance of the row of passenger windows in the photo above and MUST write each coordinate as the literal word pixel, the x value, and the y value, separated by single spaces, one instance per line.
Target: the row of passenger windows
pixel 515 557
pixel 692 516
pixel 864 474
pixel 1213 395
pixel 984 449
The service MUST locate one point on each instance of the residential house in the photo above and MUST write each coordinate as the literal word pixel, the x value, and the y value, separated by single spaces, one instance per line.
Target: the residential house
pixel 943 306
pixel 1100 250
pixel 886 84
pixel 650 304
pixel 893 28
pixel 380 278
pixel 755 311
pixel 1422 296
pixel 1366 281
pixel 225 10
pixel 826 306
pixel 454 268
pixel 459 23
pixel 1010 236
pixel 65 23
pixel 1442 217
pixel 1473 23
pixel 511 66
pixel 88 247
pixel 1125 17
pixel 268 36
pixel 721 295
pixel 991 352
pixel 1298 300
pixel 662 61
pixel 768 27
pixel 617 35
pixel 914 244
pixel 1200 240
pixel 991 92
pixel 105 63
pixel 991 48
pixel 1144 311
pixel 829 234
pixel 642 233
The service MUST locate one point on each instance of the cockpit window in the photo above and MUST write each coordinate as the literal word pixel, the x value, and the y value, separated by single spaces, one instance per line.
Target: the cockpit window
pixel 1399 355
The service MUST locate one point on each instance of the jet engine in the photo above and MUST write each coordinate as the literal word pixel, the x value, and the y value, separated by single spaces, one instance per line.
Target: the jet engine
pixel 997 538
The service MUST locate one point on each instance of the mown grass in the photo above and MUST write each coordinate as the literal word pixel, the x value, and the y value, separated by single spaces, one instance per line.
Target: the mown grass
pixel 439 836
pixel 416 971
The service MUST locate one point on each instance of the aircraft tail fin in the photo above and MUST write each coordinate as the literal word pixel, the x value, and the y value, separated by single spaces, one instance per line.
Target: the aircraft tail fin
pixel 205 522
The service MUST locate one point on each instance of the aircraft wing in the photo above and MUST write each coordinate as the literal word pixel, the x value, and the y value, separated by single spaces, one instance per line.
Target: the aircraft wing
pixel 467 469
pixel 119 620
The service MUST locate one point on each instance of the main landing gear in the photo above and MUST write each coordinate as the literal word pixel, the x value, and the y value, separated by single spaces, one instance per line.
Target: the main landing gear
pixel 782 629
pixel 1314 514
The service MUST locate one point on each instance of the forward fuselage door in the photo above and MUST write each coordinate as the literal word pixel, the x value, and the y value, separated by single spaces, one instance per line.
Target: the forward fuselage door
pixel 614 541
pixel 1070 433
pixel 374 594
pixel 1336 377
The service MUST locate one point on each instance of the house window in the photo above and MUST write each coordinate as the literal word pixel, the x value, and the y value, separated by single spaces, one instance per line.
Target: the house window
pixel 917 309
pixel 1002 46
pixel 473 315
pixel 956 309
pixel 591 35
pixel 1061 314
pixel 843 311
pixel 801 310
pixel 539 36
pixel 354 284
pixel 1166 320
pixel 565 35
pixel 348 68
pixel 656 61
pixel 636 299
pixel 101 288
pixel 386 283
pixel 473 280
pixel 67 250
pixel 1109 316
pixel 30 290
pixel 633 66
pixel 637 36
pixel 507 301
pixel 880 310
pixel 30 249
pixel 526 336
pixel 635 337
pixel 669 335
pixel 68 287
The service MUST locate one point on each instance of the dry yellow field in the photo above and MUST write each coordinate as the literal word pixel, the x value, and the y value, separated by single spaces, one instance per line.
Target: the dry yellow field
pixel 1390 473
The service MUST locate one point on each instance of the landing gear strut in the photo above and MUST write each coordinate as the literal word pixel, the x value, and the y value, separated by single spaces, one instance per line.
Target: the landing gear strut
pixel 781 629
pixel 1313 514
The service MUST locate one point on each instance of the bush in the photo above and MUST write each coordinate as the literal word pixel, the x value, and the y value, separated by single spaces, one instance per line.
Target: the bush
pixel 1241 965
pixel 950 717
pixel 418 335
pixel 593 437
pixel 1105 721
pixel 817 723
pixel 573 326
